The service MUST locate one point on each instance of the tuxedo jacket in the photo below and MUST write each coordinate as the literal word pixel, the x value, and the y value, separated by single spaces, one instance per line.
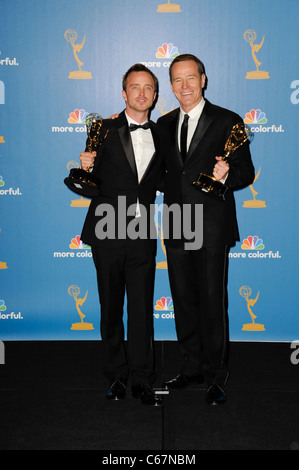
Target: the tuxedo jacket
pixel 213 129
pixel 116 168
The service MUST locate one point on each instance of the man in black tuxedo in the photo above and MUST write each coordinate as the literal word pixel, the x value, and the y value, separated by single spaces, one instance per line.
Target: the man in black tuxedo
pixel 128 164
pixel 198 277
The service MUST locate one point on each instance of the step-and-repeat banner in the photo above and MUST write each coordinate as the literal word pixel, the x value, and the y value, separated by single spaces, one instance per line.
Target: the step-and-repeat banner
pixel 63 59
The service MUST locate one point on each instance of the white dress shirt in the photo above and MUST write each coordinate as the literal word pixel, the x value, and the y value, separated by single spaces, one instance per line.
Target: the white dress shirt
pixel 143 145
pixel 194 116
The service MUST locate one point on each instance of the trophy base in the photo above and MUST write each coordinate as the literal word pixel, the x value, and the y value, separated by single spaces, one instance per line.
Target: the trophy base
pixel 162 265
pixel 80 202
pixel 168 8
pixel 82 326
pixel 83 183
pixel 254 204
pixel 210 186
pixel 257 75
pixel 80 75
pixel 253 327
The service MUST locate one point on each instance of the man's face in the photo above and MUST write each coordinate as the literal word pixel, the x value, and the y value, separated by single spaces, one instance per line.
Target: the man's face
pixel 140 93
pixel 187 84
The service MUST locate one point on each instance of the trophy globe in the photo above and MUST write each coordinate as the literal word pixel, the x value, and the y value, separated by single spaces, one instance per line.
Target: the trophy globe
pixel 250 36
pixel 245 291
pixel 71 36
pixel 74 291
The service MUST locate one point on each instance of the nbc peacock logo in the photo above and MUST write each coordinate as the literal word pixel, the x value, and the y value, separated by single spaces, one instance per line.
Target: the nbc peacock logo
pixel 77 243
pixel 167 51
pixel 78 250
pixel 257 119
pixel 164 309
pixel 78 116
pixel 165 303
pixel 253 243
pixel 253 247
pixel 255 116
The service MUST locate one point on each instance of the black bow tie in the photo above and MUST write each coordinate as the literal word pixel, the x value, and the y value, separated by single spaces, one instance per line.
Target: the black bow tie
pixel 133 127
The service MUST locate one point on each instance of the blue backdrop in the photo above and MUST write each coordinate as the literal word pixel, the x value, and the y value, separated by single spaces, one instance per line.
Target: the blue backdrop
pixel 61 59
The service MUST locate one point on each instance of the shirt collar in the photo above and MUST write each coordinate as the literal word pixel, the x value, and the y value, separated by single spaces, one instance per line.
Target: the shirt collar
pixel 195 112
pixel 131 121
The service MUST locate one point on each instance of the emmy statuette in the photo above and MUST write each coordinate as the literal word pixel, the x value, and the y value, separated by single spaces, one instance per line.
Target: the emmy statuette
pixel 208 184
pixel 84 182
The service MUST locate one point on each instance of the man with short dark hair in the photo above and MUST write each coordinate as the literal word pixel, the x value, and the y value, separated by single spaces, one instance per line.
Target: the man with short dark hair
pixel 128 164
pixel 198 277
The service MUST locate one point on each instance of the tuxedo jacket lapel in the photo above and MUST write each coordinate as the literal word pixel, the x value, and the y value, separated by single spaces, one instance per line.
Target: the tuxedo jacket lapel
pixel 202 126
pixel 126 141
pixel 173 129
pixel 200 130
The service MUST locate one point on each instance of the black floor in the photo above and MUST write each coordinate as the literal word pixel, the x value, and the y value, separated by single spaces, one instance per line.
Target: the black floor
pixel 52 398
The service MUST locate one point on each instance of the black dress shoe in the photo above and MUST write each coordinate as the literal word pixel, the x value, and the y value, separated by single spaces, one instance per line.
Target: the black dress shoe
pixel 146 395
pixel 182 381
pixel 216 395
pixel 117 390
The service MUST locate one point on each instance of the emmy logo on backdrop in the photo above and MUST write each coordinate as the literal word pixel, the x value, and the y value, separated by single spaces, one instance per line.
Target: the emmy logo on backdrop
pixel 250 37
pixel 71 36
pixel 74 291
pixel 254 203
pixel 240 133
pixel 162 106
pixel 245 292
pixel 169 8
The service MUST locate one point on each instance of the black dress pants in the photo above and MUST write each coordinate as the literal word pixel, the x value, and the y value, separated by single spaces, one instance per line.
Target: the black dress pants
pixel 198 281
pixel 127 268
